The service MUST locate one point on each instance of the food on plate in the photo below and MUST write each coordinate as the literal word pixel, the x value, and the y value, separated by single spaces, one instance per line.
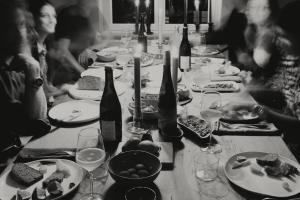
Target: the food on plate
pixel 23 195
pixel 236 164
pixel 55 176
pixel 197 125
pixel 39 194
pixel 273 171
pixel 90 83
pixel 144 144
pixel 43 169
pixel 221 70
pixel 61 167
pixel 54 188
pixel 183 92
pixel 286 186
pixel 241 114
pixel 25 175
pixel 145 107
pixel 146 59
pixel 241 158
pixel 106 56
pixel 71 185
pixel 268 160
pixel 255 169
pixel 137 171
pixel 229 86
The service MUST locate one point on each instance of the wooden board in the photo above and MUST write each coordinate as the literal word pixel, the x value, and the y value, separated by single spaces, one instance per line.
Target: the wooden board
pixel 166 155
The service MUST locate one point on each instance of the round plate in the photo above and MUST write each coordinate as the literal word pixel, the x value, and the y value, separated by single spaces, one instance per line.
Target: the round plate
pixel 122 58
pixel 221 86
pixel 9 187
pixel 73 112
pixel 227 71
pixel 114 50
pixel 198 50
pixel 100 72
pixel 94 95
pixel 264 184
pixel 240 114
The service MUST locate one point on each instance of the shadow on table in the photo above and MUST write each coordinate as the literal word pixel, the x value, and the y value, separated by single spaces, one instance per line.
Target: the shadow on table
pixel 117 192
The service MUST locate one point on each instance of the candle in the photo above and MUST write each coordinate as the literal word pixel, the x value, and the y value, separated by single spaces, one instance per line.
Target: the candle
pixel 160 24
pixel 137 4
pixel 148 11
pixel 137 117
pixel 147 3
pixel 208 11
pixel 197 2
pixel 185 11
pixel 175 66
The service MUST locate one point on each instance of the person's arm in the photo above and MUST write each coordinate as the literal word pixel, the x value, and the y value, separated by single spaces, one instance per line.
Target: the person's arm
pixel 63 53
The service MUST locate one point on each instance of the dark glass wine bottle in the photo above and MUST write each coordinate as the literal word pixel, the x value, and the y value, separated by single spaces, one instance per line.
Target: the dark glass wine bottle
pixel 142 37
pixel 110 112
pixel 185 51
pixel 167 107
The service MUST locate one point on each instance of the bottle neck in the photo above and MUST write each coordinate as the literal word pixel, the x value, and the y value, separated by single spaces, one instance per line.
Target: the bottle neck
pixel 185 34
pixel 108 77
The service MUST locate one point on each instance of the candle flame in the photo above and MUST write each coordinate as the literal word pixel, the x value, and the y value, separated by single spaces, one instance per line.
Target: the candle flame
pixel 197 2
pixel 137 2
pixel 138 50
pixel 147 3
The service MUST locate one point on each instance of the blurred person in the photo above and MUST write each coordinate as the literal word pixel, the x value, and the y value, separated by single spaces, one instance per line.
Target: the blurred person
pixel 44 15
pixel 75 32
pixel 22 99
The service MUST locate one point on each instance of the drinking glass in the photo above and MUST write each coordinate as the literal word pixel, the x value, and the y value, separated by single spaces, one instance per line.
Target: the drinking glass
pixel 126 36
pixel 210 111
pixel 90 154
pixel 202 46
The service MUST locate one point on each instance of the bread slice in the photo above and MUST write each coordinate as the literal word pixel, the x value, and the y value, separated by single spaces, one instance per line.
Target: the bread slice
pixel 25 175
pixel 90 83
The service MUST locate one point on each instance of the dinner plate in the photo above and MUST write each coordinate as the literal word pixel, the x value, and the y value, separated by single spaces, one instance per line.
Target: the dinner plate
pixel 222 86
pixel 240 114
pixel 121 60
pixel 94 95
pixel 261 184
pixel 114 50
pixel 100 72
pixel 227 71
pixel 73 112
pixel 199 50
pixel 9 187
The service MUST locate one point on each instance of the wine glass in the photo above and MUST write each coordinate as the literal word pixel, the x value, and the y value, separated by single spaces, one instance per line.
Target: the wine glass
pixel 126 37
pixel 90 154
pixel 210 111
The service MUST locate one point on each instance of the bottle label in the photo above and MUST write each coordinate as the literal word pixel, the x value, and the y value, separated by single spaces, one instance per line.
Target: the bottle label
pixel 108 129
pixel 184 62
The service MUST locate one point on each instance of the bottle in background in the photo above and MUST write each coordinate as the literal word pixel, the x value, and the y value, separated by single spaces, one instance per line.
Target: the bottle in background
pixel 110 113
pixel 167 123
pixel 185 51
pixel 142 37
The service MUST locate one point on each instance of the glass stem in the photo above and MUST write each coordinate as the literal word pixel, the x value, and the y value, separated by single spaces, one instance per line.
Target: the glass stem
pixel 91 183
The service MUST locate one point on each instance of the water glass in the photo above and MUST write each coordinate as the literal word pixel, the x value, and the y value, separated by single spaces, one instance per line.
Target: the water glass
pixel 206 166
pixel 126 36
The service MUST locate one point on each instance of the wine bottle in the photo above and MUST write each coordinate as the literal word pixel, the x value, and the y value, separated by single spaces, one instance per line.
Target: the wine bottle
pixel 110 112
pixel 185 51
pixel 142 37
pixel 167 101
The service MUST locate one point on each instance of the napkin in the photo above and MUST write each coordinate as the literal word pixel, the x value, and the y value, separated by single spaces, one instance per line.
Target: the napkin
pixel 260 128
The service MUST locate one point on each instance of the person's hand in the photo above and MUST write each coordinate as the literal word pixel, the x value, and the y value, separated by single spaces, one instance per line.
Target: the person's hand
pixel 26 63
pixel 86 58
pixel 246 76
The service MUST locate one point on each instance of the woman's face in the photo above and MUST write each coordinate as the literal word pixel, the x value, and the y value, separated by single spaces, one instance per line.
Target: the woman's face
pixel 258 11
pixel 47 20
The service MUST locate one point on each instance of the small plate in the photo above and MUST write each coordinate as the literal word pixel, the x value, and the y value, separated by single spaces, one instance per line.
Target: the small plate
pixel 240 114
pixel 261 184
pixel 9 187
pixel 199 50
pixel 201 123
pixel 222 86
pixel 227 71
pixel 146 60
pixel 73 112
pixel 94 95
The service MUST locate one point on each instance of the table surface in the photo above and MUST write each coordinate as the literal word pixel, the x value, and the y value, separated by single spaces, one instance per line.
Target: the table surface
pixel 180 183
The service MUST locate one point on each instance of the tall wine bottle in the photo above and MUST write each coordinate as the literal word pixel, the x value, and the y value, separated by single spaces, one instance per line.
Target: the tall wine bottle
pixel 110 112
pixel 167 101
pixel 185 51
pixel 142 37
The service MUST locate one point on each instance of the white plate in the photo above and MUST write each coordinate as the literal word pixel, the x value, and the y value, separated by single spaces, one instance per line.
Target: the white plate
pixel 199 88
pixel 240 114
pixel 115 50
pixel 100 72
pixel 228 71
pixel 121 60
pixel 9 187
pixel 198 50
pixel 78 111
pixel 265 185
pixel 94 95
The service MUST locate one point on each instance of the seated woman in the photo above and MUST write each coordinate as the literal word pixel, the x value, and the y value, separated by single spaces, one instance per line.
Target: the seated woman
pixel 287 79
pixel 23 104
pixel 44 15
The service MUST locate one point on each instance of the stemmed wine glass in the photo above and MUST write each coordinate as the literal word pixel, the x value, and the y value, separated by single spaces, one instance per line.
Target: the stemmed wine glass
pixel 90 154
pixel 210 111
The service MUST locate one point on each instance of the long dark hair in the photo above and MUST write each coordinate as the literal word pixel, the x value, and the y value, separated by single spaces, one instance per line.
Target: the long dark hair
pixel 35 6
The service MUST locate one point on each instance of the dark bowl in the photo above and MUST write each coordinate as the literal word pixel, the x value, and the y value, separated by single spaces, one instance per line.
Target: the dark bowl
pixel 120 164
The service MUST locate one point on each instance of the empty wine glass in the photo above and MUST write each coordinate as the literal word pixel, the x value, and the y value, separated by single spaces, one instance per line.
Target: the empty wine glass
pixel 126 36
pixel 90 154
pixel 210 111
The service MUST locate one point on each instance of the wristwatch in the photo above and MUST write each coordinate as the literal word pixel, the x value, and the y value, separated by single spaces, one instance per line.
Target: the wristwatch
pixel 36 83
pixel 259 109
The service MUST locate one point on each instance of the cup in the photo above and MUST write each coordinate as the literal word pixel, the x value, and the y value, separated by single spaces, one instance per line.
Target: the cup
pixel 138 193
pixel 206 166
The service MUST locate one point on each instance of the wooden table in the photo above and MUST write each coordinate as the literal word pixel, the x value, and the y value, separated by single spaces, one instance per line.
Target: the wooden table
pixel 180 183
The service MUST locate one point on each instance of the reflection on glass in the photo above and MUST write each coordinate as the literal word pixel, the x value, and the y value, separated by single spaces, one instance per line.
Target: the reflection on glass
pixel 175 9
pixel 124 11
